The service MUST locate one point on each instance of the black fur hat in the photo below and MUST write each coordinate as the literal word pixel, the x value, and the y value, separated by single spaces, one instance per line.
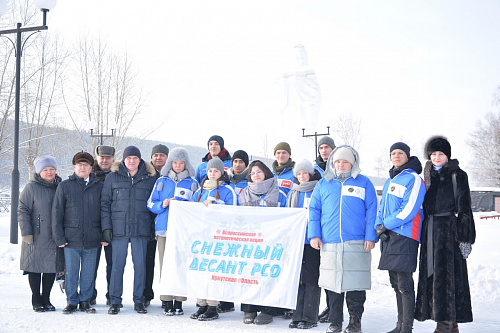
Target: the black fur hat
pixel 438 143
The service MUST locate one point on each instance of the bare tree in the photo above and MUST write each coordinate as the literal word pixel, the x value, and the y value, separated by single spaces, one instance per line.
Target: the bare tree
pixel 348 129
pixel 484 142
pixel 106 92
pixel 41 74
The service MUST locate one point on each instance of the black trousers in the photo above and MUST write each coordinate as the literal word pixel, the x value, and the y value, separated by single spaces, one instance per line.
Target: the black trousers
pixel 403 285
pixel 308 299
pixel 109 266
pixel 355 304
pixel 270 310
pixel 150 270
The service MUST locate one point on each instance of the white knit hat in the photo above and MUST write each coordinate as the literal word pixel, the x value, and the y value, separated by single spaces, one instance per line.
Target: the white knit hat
pixel 304 165
pixel 344 153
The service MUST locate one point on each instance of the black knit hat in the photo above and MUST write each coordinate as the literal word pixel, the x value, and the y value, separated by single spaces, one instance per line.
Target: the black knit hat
pixel 242 155
pixel 401 145
pixel 159 149
pixel 131 151
pixel 438 143
pixel 217 138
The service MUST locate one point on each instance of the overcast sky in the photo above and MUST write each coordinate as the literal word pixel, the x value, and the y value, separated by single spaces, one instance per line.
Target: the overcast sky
pixel 408 69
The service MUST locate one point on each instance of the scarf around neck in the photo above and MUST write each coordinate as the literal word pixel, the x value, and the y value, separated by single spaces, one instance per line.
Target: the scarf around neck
pixel 251 195
pixel 177 177
pixel 293 195
pixel 279 169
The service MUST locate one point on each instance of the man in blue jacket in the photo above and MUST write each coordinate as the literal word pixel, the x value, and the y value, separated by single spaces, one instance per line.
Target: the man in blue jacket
pixel 76 225
pixel 283 166
pixel 342 215
pixel 126 219
pixel 398 226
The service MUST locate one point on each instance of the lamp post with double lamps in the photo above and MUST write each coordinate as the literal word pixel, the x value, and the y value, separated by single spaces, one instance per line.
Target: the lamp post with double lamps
pixel 45 6
pixel 101 136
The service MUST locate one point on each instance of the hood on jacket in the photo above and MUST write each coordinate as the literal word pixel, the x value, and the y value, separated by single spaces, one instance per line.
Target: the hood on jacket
pixel 150 169
pixel 413 164
pixel 178 154
pixel 330 171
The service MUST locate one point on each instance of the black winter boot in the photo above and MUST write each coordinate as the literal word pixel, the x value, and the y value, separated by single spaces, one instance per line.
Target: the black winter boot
pixel 210 314
pixel 323 316
pixel 46 303
pixel 334 328
pixel 169 308
pixel 397 329
pixel 354 324
pixel 36 301
pixel 178 308
pixel 406 328
pixel 454 328
pixel 443 327
pixel 201 310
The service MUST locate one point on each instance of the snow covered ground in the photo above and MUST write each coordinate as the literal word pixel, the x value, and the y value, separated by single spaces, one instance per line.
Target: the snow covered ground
pixel 16 314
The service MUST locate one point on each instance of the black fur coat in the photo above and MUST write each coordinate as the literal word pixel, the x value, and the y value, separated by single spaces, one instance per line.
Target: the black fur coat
pixel 445 295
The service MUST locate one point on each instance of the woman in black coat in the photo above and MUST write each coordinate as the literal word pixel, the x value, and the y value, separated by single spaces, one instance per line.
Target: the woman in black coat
pixel 448 231
pixel 41 259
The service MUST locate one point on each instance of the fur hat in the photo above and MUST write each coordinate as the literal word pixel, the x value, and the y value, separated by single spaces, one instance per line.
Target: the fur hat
pixel 403 146
pixel 344 153
pixel 131 151
pixel 283 146
pixel 159 149
pixel 83 157
pixel 304 165
pixel 326 140
pixel 42 162
pixel 438 143
pixel 216 163
pixel 178 154
pixel 242 155
pixel 217 138
pixel 105 151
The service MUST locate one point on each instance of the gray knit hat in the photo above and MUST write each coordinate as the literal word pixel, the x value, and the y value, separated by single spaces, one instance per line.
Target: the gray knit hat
pixel 216 163
pixel 304 165
pixel 42 162
pixel 344 153
pixel 326 140
pixel 159 149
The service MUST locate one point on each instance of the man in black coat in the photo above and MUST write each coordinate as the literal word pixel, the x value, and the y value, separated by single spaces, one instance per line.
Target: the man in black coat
pixel 76 227
pixel 126 219
pixel 105 156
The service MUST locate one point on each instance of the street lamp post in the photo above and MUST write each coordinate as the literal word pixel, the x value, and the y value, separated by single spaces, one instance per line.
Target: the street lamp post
pixel 92 127
pixel 45 6
pixel 315 137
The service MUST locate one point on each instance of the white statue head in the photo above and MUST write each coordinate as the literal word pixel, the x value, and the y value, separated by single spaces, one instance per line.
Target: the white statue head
pixel 301 55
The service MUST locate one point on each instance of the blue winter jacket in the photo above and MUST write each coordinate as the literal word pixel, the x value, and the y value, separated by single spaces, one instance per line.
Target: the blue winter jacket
pixel 226 195
pixel 201 170
pixel 285 180
pixel 341 212
pixel 166 188
pixel 401 205
pixel 281 200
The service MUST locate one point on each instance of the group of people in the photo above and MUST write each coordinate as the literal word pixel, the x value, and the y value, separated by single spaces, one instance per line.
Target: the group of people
pixel 108 204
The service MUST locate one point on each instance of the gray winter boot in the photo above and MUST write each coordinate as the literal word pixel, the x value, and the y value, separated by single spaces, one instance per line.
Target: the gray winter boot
pixel 354 325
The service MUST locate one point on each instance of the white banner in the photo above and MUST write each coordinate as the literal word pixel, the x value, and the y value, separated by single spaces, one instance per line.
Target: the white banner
pixel 234 253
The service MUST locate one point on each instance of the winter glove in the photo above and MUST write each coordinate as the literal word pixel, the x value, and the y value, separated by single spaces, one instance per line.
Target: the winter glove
pixel 28 239
pixel 382 233
pixel 466 249
pixel 107 235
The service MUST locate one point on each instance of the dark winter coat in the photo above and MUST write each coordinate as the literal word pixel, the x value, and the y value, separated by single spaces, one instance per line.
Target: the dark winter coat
pixel 124 201
pixel 34 215
pixel 76 215
pixel 445 295
pixel 97 171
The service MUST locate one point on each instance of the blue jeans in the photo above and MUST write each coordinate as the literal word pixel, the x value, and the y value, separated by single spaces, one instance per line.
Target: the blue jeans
pixel 138 246
pixel 80 268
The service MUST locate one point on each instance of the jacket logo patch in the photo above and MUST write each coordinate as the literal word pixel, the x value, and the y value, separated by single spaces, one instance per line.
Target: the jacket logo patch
pixel 393 188
pixel 285 183
pixel 183 192
pixel 351 189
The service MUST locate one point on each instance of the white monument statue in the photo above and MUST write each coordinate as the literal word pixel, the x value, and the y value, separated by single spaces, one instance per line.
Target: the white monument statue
pixel 303 102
